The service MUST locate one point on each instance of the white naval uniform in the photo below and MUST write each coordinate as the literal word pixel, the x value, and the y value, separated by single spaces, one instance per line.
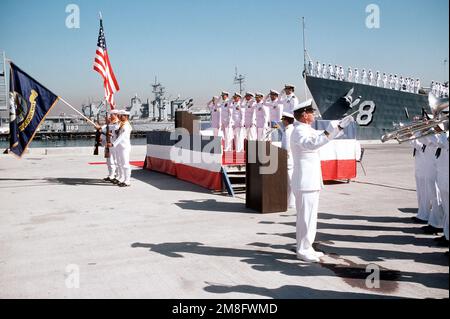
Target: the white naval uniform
pixel 238 125
pixel 289 103
pixel 275 109
pixel 420 175
pixel 307 183
pixel 226 119
pixel 364 77
pixel 122 147
pixel 215 117
pixel 111 161
pixel 286 144
pixel 385 81
pixel 250 119
pixel 350 75
pixel 356 76
pixel 443 178
pixel 434 197
pixel 262 120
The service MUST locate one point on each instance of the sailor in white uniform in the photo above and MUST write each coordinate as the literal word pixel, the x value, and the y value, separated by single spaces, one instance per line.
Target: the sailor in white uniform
pixel 288 98
pixel 417 86
pixel 226 119
pixel 356 76
pixel 385 80
pixel 364 76
pixel 331 74
pixel 111 161
pixel 324 71
pixel 215 110
pixel 370 77
pixel 396 83
pixel 275 106
pixel 350 74
pixel 250 120
pixel 420 174
pixel 261 117
pixel 238 122
pixel 391 82
pixel 307 176
pixel 122 146
pixel 443 179
pixel 378 79
pixel 288 127
pixel 318 70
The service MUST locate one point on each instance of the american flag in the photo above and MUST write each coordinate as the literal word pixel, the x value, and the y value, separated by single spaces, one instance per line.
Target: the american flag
pixel 103 66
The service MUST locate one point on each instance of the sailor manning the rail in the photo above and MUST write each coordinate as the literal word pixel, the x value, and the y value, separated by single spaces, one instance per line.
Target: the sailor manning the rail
pixel 122 146
pixel 307 176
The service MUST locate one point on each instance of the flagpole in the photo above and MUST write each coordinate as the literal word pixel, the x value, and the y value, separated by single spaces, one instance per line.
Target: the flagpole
pixel 82 115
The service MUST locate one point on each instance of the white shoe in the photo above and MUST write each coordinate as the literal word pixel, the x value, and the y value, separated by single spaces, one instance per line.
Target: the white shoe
pixel 309 259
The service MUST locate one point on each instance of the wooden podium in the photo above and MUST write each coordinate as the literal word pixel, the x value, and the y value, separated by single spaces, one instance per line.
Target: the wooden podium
pixel 184 119
pixel 266 193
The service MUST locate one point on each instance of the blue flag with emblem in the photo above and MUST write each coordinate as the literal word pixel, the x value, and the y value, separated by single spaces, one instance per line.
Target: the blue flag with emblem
pixel 30 102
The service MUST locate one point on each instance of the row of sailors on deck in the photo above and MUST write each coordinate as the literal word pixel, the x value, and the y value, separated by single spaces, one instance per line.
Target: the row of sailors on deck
pixel 393 82
pixel 431 155
pixel 250 116
pixel 439 89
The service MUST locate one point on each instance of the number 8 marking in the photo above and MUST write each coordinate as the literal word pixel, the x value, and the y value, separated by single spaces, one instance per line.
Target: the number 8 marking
pixel 366 111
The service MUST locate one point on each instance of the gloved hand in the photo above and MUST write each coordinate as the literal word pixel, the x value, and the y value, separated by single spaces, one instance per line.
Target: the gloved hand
pixel 346 121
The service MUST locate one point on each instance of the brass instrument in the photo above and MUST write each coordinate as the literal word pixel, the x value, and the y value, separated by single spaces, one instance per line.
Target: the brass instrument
pixel 425 127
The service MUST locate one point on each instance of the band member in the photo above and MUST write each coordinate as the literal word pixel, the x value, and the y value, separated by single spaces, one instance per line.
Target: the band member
pixel 288 124
pixel 421 190
pixel 307 177
pixel 288 99
pixel 226 117
pixel 122 147
pixel 261 117
pixel 215 115
pixel 250 120
pixel 443 181
pixel 238 122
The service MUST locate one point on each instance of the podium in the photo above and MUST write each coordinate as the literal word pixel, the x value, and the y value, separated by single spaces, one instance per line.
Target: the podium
pixel 184 119
pixel 266 192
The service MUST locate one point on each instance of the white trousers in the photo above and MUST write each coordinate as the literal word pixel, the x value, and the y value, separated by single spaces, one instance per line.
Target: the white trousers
pixel 228 138
pixel 251 133
pixel 434 198
pixel 239 139
pixel 111 162
pixel 261 134
pixel 443 184
pixel 123 161
pixel 307 205
pixel 291 196
pixel 423 204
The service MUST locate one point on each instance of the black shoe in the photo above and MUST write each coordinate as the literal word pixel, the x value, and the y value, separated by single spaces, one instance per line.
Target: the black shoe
pixel 107 179
pixel 441 241
pixel 123 185
pixel 115 181
pixel 418 220
pixel 430 230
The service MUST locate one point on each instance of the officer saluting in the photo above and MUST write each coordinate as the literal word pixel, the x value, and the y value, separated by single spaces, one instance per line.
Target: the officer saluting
pixel 215 115
pixel 249 122
pixel 238 122
pixel 261 117
pixel 289 100
pixel 226 113
pixel 307 177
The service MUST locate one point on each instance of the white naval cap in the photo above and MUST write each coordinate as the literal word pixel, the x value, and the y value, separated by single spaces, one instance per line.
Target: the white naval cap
pixel 224 93
pixel 236 94
pixel 259 94
pixel 289 86
pixel 249 94
pixel 288 115
pixel 274 92
pixel 115 111
pixel 304 105
pixel 123 112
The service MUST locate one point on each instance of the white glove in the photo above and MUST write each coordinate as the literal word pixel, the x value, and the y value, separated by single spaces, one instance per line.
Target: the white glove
pixel 346 121
pixel 332 129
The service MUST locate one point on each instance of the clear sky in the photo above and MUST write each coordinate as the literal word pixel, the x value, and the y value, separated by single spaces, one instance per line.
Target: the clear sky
pixel 193 46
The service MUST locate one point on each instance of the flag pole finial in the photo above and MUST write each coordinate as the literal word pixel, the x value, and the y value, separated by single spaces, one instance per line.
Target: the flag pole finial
pixel 100 15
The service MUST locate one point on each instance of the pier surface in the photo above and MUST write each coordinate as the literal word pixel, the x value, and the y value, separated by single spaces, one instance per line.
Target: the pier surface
pixel 64 233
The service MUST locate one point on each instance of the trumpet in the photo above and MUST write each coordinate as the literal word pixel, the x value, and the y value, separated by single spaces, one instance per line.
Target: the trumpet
pixel 424 127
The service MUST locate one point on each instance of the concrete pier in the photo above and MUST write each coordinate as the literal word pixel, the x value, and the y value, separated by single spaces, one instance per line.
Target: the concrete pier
pixel 64 233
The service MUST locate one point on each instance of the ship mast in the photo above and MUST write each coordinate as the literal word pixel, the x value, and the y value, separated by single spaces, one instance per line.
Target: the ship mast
pixel 239 79
pixel 305 53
